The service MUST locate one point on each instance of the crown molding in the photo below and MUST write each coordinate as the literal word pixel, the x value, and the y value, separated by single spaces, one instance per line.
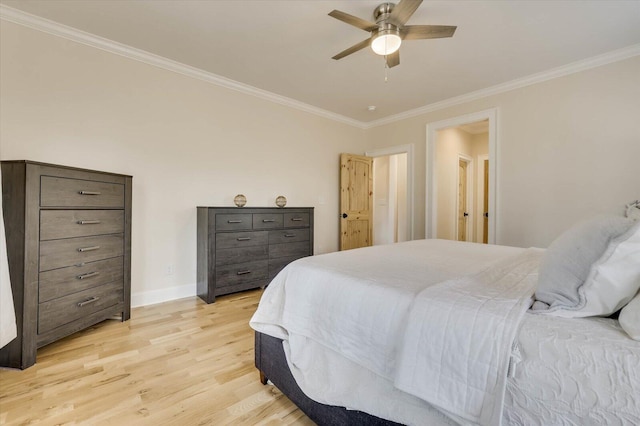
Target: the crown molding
pixel 73 34
pixel 45 25
pixel 574 67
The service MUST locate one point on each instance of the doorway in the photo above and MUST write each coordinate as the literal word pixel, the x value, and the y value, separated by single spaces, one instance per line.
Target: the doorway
pixel 393 194
pixel 472 139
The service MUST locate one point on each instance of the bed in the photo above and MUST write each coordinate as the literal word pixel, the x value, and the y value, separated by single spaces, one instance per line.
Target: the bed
pixel 438 332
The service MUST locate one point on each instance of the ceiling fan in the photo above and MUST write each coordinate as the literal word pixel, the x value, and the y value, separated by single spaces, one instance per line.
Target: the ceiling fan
pixel 389 30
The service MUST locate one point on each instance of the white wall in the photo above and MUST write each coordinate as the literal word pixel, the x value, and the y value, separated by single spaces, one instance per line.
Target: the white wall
pixel 186 143
pixel 568 149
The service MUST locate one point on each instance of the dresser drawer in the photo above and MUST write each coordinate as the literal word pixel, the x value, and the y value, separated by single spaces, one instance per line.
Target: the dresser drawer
pixel 72 279
pixel 241 254
pixel 56 224
pixel 241 273
pixel 72 251
pixel 277 265
pixel 296 220
pixel 267 221
pixel 69 308
pixel 233 222
pixel 292 249
pixel 288 236
pixel 241 239
pixel 66 192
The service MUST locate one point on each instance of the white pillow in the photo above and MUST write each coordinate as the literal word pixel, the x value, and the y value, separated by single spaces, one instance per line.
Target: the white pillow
pixel 613 282
pixel 630 318
pixel 592 269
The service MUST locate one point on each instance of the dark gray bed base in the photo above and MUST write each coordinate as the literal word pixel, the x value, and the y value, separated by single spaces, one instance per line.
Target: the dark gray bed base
pixel 272 364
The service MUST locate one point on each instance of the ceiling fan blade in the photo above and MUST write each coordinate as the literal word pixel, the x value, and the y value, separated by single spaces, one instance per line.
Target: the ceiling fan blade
pixel 353 49
pixel 420 32
pixel 393 59
pixel 363 24
pixel 403 11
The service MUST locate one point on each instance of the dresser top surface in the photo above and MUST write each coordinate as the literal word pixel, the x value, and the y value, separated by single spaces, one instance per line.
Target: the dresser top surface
pixel 239 209
pixel 37 163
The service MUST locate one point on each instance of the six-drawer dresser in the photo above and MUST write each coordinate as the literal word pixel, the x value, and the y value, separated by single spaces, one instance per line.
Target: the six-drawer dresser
pixel 244 248
pixel 68 236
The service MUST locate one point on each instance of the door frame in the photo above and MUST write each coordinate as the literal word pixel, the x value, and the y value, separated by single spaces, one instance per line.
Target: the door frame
pixel 431 208
pixel 402 149
pixel 469 197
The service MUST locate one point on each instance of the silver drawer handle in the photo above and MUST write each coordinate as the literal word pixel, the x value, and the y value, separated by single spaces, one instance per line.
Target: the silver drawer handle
pixel 88 275
pixel 243 238
pixel 296 219
pixel 268 220
pixel 234 221
pixel 289 235
pixel 89 193
pixel 88 222
pixel 86 302
pixel 243 272
pixel 83 249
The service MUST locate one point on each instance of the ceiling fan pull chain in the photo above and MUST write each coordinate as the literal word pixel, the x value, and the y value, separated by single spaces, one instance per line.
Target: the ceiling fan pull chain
pixel 386 64
pixel 386 69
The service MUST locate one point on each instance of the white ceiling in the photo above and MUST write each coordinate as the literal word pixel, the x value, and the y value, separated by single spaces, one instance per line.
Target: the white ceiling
pixel 476 128
pixel 285 47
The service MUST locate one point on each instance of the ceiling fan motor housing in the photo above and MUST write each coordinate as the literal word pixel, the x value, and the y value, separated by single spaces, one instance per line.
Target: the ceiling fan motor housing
pixel 382 12
pixel 386 28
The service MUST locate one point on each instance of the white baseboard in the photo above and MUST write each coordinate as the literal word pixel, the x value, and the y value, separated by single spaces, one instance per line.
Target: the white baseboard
pixel 164 295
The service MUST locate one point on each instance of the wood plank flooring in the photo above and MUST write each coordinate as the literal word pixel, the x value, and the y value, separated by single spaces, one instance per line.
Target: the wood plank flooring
pixel 177 363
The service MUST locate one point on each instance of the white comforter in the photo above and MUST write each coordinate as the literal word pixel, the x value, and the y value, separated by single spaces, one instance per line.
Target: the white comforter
pixel 582 372
pixel 355 304
pixel 343 320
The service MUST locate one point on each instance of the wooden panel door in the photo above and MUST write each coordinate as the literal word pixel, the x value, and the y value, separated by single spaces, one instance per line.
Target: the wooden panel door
pixel 356 201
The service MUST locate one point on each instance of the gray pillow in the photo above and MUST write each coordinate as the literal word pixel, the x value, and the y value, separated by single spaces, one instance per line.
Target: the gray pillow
pixel 568 261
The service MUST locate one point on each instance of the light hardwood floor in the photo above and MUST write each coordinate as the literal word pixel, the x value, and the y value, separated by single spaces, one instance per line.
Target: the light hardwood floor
pixel 177 363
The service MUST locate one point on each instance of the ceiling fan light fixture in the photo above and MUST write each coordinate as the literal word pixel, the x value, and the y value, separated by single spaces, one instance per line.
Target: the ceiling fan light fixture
pixel 386 41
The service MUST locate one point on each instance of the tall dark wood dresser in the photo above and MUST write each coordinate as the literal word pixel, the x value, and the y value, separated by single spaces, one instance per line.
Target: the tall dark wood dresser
pixel 68 236
pixel 244 248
